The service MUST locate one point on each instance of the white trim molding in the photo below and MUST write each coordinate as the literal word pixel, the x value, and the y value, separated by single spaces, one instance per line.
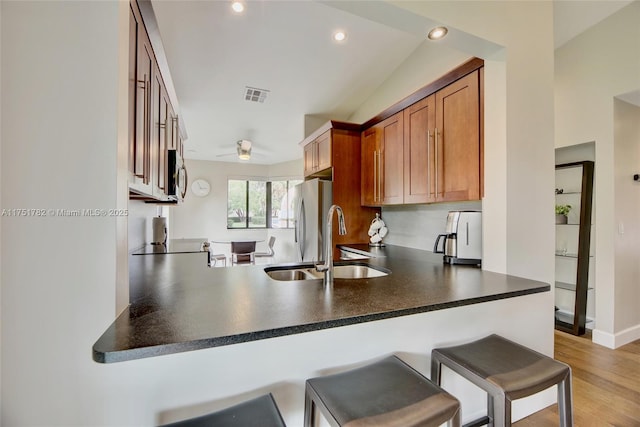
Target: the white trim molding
pixel 618 339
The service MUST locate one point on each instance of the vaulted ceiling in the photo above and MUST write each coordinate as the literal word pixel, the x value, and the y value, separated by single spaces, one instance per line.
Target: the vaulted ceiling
pixel 286 49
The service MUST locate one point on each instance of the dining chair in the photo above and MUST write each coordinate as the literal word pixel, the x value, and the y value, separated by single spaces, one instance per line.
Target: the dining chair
pixel 243 252
pixel 214 258
pixel 270 252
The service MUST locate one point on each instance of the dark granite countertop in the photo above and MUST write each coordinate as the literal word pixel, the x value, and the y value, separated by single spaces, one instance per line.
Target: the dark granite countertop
pixel 196 307
pixel 172 246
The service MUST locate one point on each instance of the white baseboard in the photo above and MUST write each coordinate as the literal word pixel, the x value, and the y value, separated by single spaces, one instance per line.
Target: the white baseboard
pixel 618 339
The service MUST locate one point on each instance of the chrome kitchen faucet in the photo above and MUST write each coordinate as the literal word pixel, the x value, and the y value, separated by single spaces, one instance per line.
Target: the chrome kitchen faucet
pixel 327 267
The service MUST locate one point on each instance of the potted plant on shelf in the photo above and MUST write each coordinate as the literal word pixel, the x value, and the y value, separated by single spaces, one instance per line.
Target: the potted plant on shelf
pixel 561 213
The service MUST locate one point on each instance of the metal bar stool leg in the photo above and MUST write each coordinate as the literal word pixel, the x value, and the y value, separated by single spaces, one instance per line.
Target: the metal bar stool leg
pixel 436 370
pixel 309 409
pixel 456 421
pixel 565 402
pixel 490 411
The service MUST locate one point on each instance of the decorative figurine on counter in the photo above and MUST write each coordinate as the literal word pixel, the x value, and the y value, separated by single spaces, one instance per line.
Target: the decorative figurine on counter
pixel 377 231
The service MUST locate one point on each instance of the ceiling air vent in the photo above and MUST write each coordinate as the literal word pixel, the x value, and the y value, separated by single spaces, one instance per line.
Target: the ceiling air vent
pixel 254 94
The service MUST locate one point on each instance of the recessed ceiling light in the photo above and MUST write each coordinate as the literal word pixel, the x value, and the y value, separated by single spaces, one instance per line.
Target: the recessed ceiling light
pixel 339 36
pixel 237 6
pixel 437 33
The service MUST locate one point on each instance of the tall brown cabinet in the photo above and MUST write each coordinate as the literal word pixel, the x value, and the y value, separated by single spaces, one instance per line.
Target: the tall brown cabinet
pixel 333 153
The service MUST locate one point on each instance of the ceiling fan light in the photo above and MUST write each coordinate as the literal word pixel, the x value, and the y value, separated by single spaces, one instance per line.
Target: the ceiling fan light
pixel 244 149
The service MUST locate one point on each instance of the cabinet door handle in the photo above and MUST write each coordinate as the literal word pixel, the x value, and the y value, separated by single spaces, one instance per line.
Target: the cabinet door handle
pixel 142 84
pixel 186 182
pixel 148 128
pixel 174 132
pixel 164 156
pixel 146 137
pixel 428 162
pixel 375 177
pixel 435 134
pixel 380 160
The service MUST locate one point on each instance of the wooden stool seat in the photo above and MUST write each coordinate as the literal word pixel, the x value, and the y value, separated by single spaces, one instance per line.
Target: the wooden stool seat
pixel 506 371
pixel 386 393
pixel 259 412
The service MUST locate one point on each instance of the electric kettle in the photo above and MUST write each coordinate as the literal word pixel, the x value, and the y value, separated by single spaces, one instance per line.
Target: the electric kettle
pixel 462 242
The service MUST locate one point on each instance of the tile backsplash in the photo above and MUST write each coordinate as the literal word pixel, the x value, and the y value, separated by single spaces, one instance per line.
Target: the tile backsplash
pixel 140 216
pixel 418 226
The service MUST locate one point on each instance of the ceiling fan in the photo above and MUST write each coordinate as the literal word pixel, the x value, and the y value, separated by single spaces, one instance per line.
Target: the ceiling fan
pixel 243 150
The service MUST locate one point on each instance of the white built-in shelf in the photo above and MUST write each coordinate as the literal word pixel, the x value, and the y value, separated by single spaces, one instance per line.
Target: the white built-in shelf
pixel 568 255
pixel 568 286
pixel 568 319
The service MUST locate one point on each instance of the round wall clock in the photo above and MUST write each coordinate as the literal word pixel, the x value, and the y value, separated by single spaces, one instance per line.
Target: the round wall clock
pixel 200 187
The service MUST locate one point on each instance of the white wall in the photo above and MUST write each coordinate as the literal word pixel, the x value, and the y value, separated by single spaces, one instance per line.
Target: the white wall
pixel 627 215
pixel 140 232
pixel 207 216
pixel 59 151
pixel 591 70
pixel 1 207
pixel 416 71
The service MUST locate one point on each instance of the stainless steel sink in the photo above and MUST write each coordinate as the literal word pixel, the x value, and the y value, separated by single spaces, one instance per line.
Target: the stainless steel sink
pixel 287 275
pixel 349 271
pixel 356 272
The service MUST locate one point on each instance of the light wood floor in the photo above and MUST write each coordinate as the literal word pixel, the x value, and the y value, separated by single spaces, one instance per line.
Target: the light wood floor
pixel 606 384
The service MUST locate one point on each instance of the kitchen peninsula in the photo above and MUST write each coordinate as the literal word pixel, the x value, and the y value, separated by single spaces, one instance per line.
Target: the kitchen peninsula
pixel 291 330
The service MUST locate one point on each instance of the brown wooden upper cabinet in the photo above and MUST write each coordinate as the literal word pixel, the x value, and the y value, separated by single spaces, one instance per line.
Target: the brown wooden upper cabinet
pixel 317 154
pixel 141 62
pixel 457 141
pixel 428 152
pixel 153 124
pixel 382 163
pixel 337 148
pixel 420 152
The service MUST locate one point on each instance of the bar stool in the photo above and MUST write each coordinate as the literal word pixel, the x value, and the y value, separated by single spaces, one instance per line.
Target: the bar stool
pixel 506 371
pixel 386 393
pixel 259 412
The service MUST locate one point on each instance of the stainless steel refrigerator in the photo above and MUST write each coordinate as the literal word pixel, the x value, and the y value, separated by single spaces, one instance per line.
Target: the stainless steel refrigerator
pixel 312 200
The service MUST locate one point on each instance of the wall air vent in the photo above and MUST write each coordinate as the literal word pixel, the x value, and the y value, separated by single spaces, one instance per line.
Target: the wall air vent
pixel 253 94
